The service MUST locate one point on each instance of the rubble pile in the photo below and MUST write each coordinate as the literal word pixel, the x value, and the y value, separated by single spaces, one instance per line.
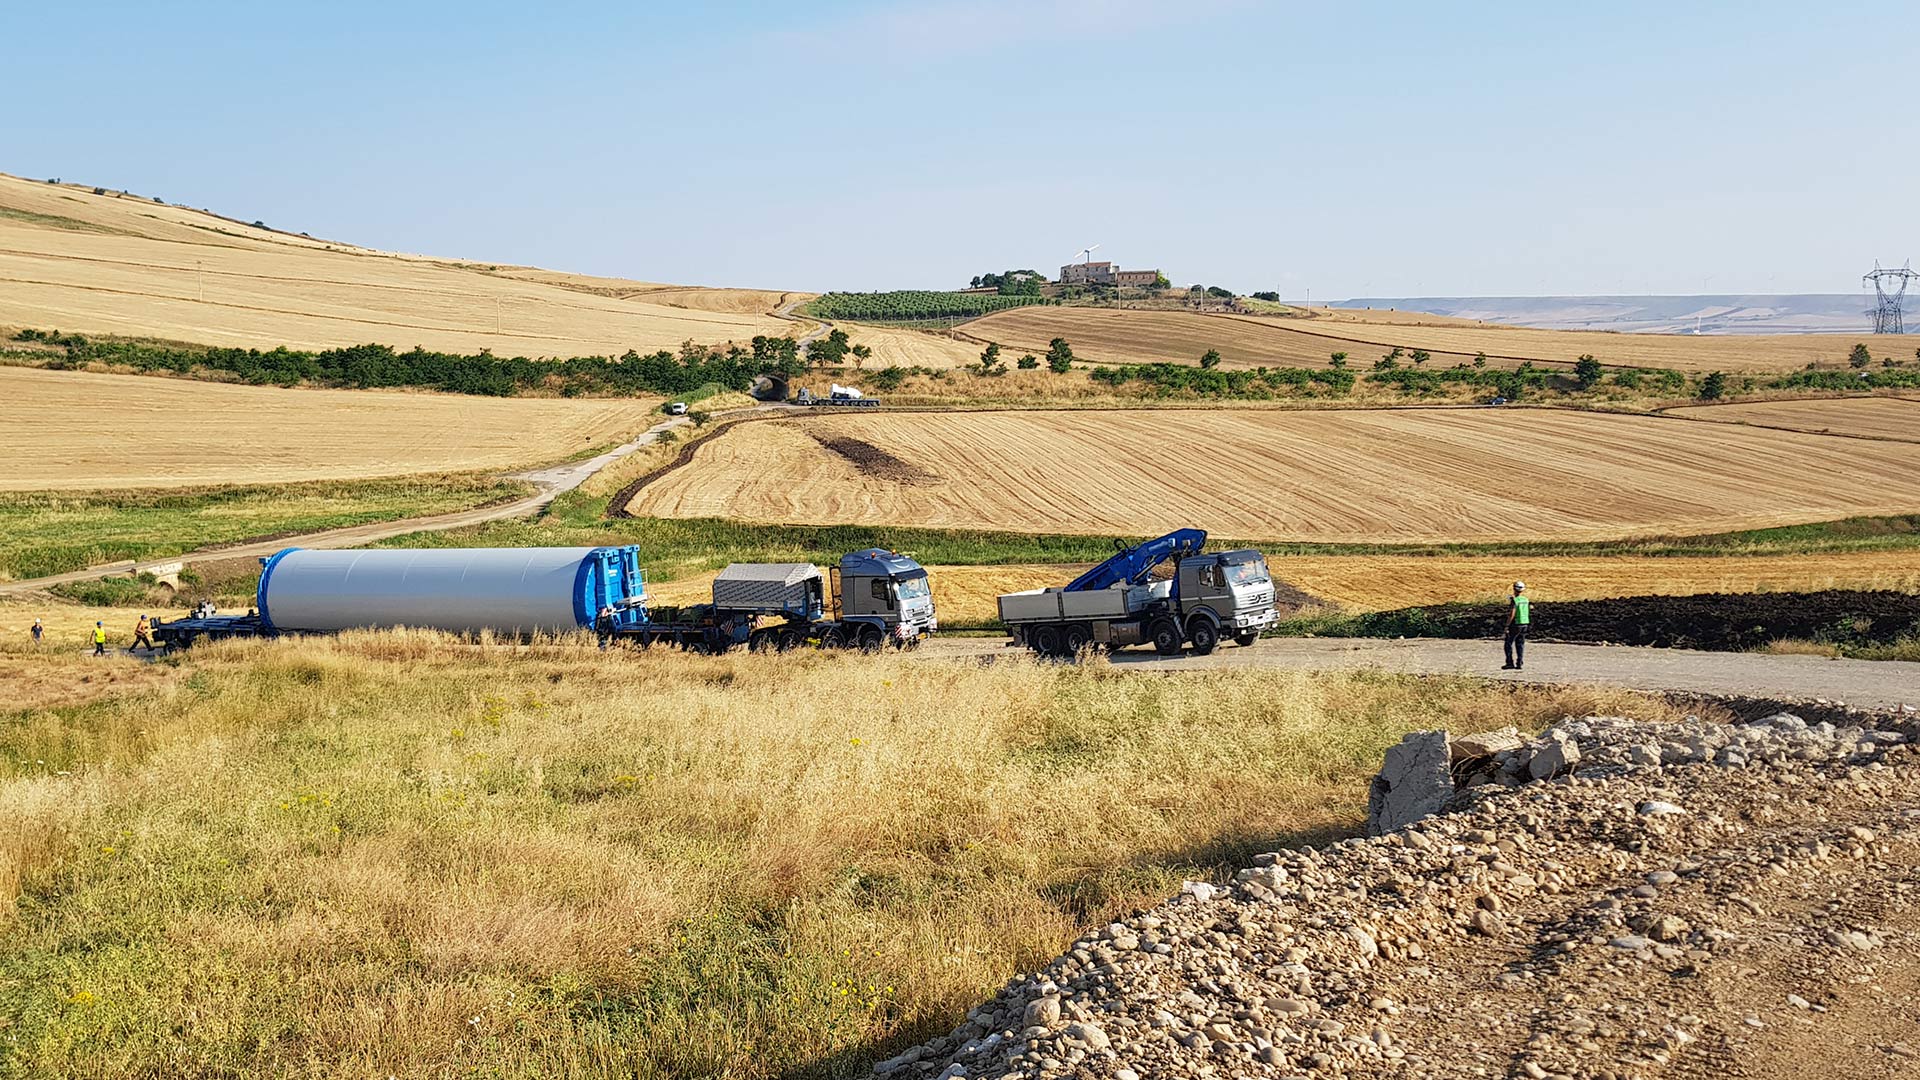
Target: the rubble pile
pixel 1607 900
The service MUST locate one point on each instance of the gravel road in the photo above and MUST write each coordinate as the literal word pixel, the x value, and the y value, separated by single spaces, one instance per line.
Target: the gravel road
pixel 1862 683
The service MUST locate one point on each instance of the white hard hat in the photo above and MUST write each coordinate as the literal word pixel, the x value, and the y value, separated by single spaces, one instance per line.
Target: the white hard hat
pixel 1520 585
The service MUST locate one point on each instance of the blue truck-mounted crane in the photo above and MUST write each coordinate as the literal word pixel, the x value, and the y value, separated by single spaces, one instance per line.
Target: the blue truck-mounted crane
pixel 1118 603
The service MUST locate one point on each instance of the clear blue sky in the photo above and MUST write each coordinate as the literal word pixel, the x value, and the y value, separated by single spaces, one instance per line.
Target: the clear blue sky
pixel 1351 149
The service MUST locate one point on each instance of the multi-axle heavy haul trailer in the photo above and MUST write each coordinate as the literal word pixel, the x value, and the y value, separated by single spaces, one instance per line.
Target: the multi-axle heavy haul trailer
pixel 1208 596
pixel 875 598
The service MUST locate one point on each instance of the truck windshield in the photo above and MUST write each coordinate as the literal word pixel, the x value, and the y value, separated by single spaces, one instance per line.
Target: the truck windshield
pixel 913 588
pixel 1247 573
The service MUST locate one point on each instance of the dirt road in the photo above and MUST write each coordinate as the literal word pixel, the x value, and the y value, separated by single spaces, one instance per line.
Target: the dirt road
pixel 1863 683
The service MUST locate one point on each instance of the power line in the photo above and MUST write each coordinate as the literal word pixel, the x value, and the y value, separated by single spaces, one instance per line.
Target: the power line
pixel 1890 292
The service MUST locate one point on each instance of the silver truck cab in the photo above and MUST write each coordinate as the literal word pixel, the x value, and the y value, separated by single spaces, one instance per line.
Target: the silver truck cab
pixel 1233 589
pixel 887 589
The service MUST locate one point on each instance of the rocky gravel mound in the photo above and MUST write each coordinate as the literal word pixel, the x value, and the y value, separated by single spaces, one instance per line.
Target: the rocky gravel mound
pixel 1613 899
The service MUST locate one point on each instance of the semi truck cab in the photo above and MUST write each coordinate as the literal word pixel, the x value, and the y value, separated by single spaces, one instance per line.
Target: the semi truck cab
pixel 1235 586
pixel 884 588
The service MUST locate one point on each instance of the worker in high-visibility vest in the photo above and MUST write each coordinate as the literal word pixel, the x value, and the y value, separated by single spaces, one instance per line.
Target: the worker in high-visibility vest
pixel 99 638
pixel 1519 618
pixel 142 635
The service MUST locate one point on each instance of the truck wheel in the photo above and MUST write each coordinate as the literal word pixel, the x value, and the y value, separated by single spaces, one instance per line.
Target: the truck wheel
pixel 1167 637
pixel 762 641
pixel 790 639
pixel 833 638
pixel 1044 639
pixel 1078 637
pixel 1204 636
pixel 871 639
pixel 1246 639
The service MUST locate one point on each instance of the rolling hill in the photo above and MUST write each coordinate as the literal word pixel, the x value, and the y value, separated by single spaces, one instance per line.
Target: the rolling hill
pixel 118 263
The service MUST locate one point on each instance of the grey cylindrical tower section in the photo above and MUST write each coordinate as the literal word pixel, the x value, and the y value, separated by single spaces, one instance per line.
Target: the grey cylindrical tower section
pixel 462 590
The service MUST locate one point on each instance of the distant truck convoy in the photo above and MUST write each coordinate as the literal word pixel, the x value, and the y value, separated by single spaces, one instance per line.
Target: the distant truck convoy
pixel 1118 603
pixel 875 598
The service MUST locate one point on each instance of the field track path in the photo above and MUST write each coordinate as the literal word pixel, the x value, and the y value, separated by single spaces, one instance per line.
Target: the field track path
pixel 549 483
pixel 1878 684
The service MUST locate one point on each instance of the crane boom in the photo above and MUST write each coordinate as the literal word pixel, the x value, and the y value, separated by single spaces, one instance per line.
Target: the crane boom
pixel 1133 564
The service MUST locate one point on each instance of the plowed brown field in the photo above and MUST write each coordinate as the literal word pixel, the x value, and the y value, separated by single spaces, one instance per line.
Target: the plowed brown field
pixel 1113 335
pixel 1876 417
pixel 106 264
pixel 73 430
pixel 1399 475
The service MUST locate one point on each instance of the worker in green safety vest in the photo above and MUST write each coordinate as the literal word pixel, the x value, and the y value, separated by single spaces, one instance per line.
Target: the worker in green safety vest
pixel 1519 618
pixel 99 638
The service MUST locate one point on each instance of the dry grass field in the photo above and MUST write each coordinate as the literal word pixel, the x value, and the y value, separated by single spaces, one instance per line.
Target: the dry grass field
pixel 66 430
pixel 1875 417
pixel 397 855
pixel 110 264
pixel 1115 336
pixel 1399 475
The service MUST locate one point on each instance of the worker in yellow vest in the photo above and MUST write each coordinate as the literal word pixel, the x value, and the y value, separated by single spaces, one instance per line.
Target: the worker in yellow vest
pixel 1519 618
pixel 99 638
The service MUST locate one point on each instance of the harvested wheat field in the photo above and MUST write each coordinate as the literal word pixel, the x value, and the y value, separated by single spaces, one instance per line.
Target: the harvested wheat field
pixel 71 430
pixel 1383 582
pixel 918 348
pixel 1874 418
pixel 1384 475
pixel 1127 336
pixel 113 264
pixel 1682 352
pixel 1123 336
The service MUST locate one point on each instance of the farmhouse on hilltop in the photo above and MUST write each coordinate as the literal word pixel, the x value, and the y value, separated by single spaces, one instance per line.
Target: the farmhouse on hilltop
pixel 1105 273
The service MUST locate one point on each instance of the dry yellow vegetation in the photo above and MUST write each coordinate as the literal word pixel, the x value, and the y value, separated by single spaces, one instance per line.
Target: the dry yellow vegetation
pixel 1385 475
pixel 401 855
pixel 113 264
pixel 1875 417
pixel 71 430
pixel 1382 582
pixel 915 348
pixel 1133 336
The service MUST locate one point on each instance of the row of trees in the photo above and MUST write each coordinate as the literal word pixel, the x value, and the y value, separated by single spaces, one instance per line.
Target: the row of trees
pixel 910 305
pixel 366 367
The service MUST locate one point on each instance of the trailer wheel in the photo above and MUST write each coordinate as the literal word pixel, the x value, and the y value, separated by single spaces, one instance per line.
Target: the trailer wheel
pixel 1044 639
pixel 1167 637
pixel 1246 639
pixel 762 641
pixel 1204 636
pixel 833 638
pixel 871 639
pixel 1079 636
pixel 790 639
